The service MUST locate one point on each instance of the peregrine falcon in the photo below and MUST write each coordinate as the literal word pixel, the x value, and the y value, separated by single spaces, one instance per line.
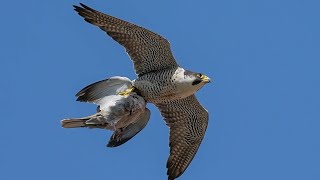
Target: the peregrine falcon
pixel 161 81
pixel 125 114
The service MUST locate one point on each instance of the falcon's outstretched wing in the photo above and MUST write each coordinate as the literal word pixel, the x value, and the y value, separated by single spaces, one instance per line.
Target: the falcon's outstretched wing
pixel 148 51
pixel 187 121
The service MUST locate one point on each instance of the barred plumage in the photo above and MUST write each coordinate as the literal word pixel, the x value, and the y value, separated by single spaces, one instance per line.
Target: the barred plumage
pixel 148 50
pixel 163 82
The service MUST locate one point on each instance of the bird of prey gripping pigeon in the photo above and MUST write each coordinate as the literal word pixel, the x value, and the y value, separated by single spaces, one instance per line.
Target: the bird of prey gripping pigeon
pixel 161 81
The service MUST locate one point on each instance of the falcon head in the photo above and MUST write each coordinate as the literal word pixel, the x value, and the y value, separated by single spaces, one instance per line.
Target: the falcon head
pixel 200 79
pixel 194 81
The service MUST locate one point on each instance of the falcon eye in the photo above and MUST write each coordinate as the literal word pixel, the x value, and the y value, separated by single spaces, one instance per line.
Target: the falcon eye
pixel 199 75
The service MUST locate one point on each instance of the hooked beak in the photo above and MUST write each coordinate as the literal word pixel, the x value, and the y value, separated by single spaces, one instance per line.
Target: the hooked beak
pixel 205 79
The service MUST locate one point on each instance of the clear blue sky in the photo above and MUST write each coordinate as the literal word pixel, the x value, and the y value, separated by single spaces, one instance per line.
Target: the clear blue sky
pixel 264 103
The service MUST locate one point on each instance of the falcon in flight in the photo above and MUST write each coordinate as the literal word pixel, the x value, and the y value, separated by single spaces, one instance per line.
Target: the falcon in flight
pixel 161 81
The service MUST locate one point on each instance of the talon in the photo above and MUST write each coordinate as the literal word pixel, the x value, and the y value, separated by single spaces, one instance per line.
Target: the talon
pixel 127 92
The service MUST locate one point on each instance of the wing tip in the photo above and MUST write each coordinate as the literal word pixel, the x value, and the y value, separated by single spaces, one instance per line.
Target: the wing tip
pixel 80 99
pixel 84 7
pixel 172 174
pixel 81 96
pixel 78 8
pixel 86 12
pixel 114 143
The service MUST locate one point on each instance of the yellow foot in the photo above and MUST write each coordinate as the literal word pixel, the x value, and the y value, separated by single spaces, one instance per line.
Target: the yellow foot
pixel 127 92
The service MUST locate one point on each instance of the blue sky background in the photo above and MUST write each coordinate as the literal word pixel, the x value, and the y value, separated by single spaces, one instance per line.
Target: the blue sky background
pixel 264 103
